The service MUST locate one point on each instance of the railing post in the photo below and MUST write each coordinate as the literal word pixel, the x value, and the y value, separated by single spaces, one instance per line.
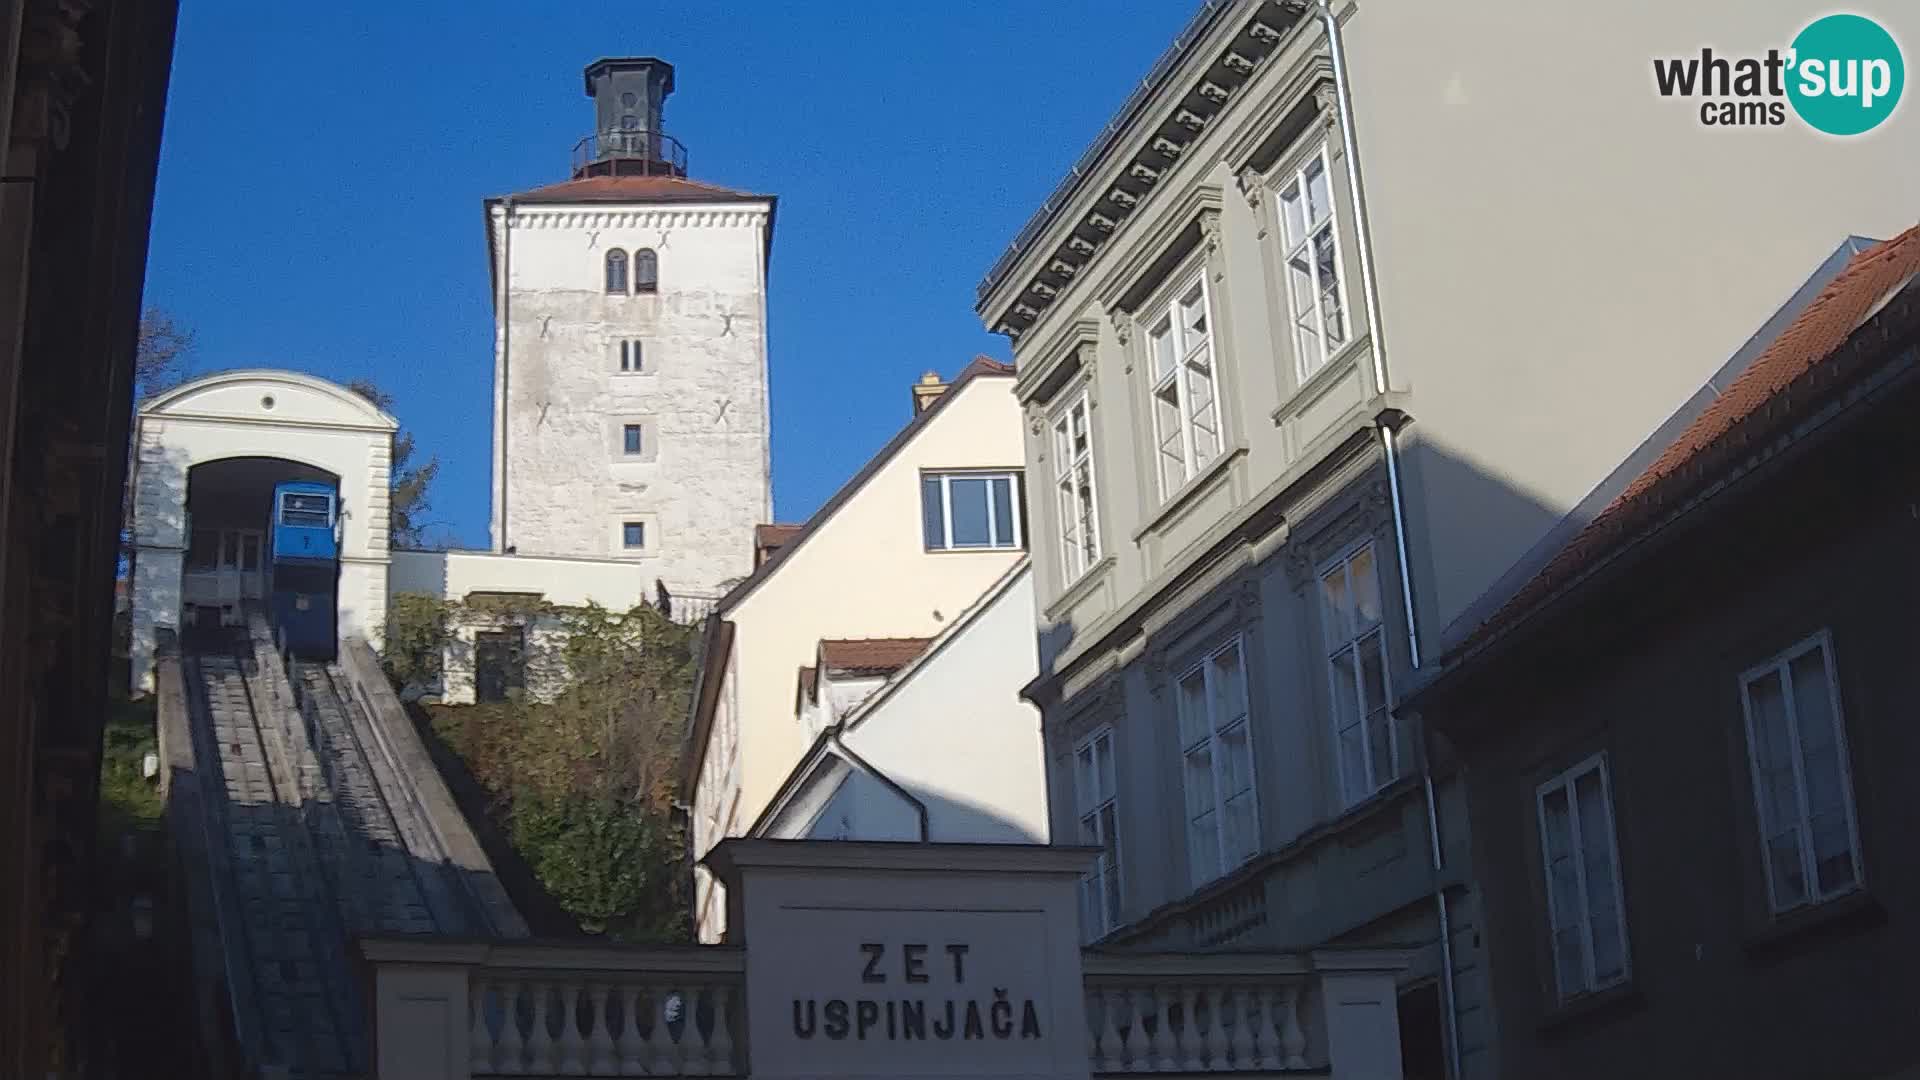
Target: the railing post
pixel 1361 1009
pixel 421 1025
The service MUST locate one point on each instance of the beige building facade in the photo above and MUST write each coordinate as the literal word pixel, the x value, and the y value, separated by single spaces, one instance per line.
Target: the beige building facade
pixel 904 549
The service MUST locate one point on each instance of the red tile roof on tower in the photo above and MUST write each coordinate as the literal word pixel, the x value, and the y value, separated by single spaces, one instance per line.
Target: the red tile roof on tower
pixel 1850 299
pixel 633 189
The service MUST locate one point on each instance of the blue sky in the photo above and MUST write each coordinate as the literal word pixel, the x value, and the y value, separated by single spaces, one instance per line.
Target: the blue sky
pixel 319 203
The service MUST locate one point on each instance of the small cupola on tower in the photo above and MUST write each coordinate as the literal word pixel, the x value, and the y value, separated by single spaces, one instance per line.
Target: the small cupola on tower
pixel 629 95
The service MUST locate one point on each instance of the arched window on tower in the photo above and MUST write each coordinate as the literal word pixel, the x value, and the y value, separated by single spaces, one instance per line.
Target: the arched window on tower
pixel 646 271
pixel 617 272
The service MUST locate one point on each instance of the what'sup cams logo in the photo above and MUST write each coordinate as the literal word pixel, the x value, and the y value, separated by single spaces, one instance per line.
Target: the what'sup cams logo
pixel 1842 75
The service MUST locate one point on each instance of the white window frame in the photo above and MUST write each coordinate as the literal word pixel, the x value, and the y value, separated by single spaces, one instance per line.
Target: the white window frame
pixel 1588 981
pixel 1166 322
pixel 1295 180
pixel 1211 740
pixel 1350 637
pixel 1782 665
pixel 946 478
pixel 1080 539
pixel 1088 808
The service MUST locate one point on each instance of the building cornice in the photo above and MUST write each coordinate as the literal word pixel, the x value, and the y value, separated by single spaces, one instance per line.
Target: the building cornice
pixel 1058 245
pixel 634 217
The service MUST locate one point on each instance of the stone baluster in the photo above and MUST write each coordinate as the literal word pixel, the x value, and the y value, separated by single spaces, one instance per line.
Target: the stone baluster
pixel 601 1059
pixel 573 1056
pixel 1139 1053
pixel 1106 1032
pixel 1166 1037
pixel 722 1043
pixel 1245 1037
pixel 633 1048
pixel 1293 1041
pixel 660 1047
pixel 540 1039
pixel 479 1039
pixel 1219 1003
pixel 695 1046
pixel 1190 1037
pixel 510 1059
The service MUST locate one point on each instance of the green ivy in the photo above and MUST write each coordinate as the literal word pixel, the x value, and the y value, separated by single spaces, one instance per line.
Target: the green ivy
pixel 583 782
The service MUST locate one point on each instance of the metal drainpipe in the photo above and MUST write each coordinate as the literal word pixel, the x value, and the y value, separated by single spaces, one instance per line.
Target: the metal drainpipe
pixel 1343 102
pixel 847 755
pixel 506 355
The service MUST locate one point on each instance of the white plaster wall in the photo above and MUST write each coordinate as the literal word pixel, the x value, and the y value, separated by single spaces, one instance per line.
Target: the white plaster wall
pixel 561 488
pixel 227 415
pixel 957 735
pixel 865 572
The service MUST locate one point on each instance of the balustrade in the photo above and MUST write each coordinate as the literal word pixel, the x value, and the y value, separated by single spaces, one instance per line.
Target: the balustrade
pixel 1172 1013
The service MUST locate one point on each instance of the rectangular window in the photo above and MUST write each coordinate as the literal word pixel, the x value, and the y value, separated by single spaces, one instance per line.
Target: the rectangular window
pixel 970 510
pixel 1094 799
pixel 630 355
pixel 249 551
pixel 1316 297
pixel 633 535
pixel 1585 914
pixel 499 664
pixel 1186 402
pixel 313 511
pixel 1073 471
pixel 1223 822
pixel 1803 790
pixel 630 439
pixel 203 549
pixel 1366 741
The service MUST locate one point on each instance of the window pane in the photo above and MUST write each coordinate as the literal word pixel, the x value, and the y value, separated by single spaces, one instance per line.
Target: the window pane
pixel 1596 859
pixel 1292 215
pixel 967 500
pixel 1326 264
pixel 1192 705
pixel 1173 453
pixel 1003 530
pixel 1353 762
pixel 1365 583
pixel 1112 894
pixel 1163 352
pixel 634 534
pixel 1199 781
pixel 631 437
pixel 1079 419
pixel 1319 202
pixel 1089 536
pixel 1062 445
pixel 1083 784
pixel 1193 318
pixel 1103 766
pixel 1240 839
pixel 1569 961
pixel 1777 792
pixel 249 552
pixel 1109 830
pixel 1346 701
pixel 1201 412
pixel 203 551
pixel 1090 830
pixel 1337 604
pixel 1229 687
pixel 616 271
pixel 1301 293
pixel 931 513
pixel 1832 852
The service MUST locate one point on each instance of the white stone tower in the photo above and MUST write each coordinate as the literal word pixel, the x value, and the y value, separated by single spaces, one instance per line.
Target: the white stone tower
pixel 630 352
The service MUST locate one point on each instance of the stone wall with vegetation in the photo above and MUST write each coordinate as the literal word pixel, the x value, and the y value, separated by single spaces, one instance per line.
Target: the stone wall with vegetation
pixel 582 781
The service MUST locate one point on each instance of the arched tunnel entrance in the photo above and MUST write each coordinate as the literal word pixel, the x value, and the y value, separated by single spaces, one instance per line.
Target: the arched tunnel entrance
pixel 231 519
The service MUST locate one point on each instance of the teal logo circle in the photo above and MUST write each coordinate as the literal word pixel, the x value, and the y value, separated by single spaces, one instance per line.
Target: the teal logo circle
pixel 1846 74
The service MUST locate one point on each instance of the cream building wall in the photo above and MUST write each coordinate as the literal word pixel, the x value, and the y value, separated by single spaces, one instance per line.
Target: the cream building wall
pixel 953 730
pixel 562 485
pixel 861 570
pixel 1564 255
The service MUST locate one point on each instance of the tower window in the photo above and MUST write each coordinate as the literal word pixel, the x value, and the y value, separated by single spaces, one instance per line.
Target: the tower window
pixel 633 535
pixel 616 272
pixel 630 439
pixel 631 356
pixel 646 271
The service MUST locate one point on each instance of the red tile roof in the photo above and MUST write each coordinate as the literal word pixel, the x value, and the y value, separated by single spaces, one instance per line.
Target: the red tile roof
pixel 1849 300
pixel 632 189
pixel 768 537
pixel 870 655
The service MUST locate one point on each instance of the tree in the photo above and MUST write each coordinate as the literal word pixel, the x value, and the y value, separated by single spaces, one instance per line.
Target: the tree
pixel 159 360
pixel 407 500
